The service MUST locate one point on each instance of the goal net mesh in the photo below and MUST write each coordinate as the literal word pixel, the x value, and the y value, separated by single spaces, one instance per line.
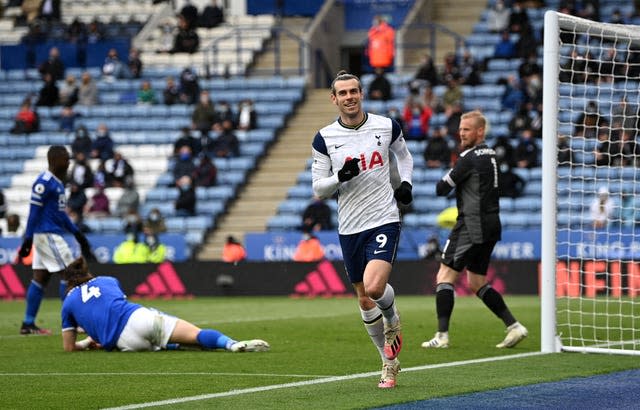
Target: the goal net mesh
pixel 598 186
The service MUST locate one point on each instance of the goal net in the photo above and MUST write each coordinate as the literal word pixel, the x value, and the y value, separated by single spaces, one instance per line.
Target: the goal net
pixel 590 283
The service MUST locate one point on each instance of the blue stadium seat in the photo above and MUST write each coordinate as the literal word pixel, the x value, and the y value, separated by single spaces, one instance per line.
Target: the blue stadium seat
pixel 286 222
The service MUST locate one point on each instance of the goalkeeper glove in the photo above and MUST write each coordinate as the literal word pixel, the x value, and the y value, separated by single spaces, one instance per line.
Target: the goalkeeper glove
pixel 85 248
pixel 349 170
pixel 403 193
pixel 25 249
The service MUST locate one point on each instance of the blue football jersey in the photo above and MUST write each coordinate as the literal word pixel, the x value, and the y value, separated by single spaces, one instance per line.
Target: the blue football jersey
pixel 100 307
pixel 47 213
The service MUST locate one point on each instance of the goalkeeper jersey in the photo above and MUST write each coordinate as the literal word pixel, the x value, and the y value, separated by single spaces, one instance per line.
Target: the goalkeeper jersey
pixel 366 201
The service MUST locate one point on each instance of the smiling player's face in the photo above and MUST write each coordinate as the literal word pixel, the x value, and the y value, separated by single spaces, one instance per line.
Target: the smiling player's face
pixel 348 99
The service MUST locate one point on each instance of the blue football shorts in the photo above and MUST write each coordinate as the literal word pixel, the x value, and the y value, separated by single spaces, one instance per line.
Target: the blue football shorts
pixel 375 243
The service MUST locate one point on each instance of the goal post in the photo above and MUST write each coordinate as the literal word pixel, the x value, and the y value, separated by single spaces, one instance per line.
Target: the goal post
pixel 590 272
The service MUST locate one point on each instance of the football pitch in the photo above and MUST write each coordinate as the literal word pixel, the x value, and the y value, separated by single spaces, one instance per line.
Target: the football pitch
pixel 321 357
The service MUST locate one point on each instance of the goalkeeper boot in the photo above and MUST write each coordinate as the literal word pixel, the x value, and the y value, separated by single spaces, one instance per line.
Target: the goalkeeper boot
pixel 440 340
pixel 515 333
pixel 390 370
pixel 255 345
pixel 32 329
pixel 392 339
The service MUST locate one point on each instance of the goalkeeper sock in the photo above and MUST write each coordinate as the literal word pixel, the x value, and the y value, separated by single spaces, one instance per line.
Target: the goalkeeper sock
pixel 494 301
pixel 386 304
pixel 373 323
pixel 212 339
pixel 444 305
pixel 63 290
pixel 34 298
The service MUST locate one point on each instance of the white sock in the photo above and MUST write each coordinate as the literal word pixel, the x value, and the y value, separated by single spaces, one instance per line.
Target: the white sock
pixel 387 305
pixel 373 323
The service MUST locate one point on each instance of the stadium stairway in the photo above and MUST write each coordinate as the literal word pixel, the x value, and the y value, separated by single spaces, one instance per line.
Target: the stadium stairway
pixel 458 16
pixel 268 185
pixel 289 50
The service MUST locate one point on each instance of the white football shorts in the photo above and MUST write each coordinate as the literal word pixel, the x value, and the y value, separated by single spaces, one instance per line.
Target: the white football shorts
pixel 146 330
pixel 51 252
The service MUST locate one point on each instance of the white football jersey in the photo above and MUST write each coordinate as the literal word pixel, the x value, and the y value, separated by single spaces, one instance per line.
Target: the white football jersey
pixel 366 201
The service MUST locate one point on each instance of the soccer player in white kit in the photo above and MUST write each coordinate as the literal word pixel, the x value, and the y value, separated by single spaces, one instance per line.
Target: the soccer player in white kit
pixel 352 156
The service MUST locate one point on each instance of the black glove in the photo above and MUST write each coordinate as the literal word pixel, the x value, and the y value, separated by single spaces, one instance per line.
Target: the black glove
pixel 25 249
pixel 403 193
pixel 349 170
pixel 85 248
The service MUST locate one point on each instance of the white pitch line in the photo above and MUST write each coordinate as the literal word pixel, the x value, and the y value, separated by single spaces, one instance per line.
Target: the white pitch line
pixel 118 374
pixel 317 381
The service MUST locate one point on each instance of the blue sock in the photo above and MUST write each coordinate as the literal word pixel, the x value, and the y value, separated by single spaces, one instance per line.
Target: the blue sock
pixel 34 298
pixel 212 339
pixel 63 290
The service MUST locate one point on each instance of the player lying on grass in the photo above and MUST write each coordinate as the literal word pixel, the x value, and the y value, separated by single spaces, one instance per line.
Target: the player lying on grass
pixel 98 305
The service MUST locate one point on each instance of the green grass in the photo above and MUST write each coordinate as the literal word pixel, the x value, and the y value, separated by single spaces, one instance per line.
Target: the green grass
pixel 310 339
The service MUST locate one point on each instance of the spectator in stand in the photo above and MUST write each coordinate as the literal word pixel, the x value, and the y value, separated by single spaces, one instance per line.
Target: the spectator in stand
pixel 469 69
pixel 167 35
pixel 530 65
pixel 453 94
pixel 453 115
pixel 316 216
pixel 505 48
pixel 309 249
pixel 498 17
pixel 26 120
pixel 437 153
pixel 100 175
pixel 81 173
pixel 227 144
pixel 395 114
pixel 190 14
pixel 119 172
pixel 416 118
pixel 527 42
pixel 186 39
pixel 98 205
pixel 133 222
pixel 156 250
pixel 565 154
pixel 82 142
pixel 626 149
pixel 49 94
pixel 77 200
pixel 53 66
pixel 134 63
pixel 189 86
pixel 204 114
pixel 521 120
pixel 88 91
pixel 130 251
pixel 247 118
pixel 112 68
pixel 504 151
pixel 427 71
pixel 146 95
pixel 518 17
pixel 69 91
pixel 224 113
pixel 49 10
pixel 3 205
pixel 449 69
pixel 67 119
pixel 186 202
pixel 380 87
pixel 233 251
pixel 432 100
pixel 513 96
pixel 12 228
pixel 590 121
pixel 205 173
pixel 617 17
pixel 171 92
pixel 381 44
pixel 186 139
pixel 102 147
pixel 510 184
pixel 155 222
pixel 624 114
pixel 212 15
pixel 526 152
pixel 76 32
pixel 602 209
pixel 184 165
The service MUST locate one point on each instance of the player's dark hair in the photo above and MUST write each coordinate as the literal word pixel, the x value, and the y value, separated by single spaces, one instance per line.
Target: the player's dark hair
pixel 56 151
pixel 343 76
pixel 77 273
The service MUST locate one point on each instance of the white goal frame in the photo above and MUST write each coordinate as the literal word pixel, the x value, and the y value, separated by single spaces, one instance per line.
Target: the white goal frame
pixel 551 340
